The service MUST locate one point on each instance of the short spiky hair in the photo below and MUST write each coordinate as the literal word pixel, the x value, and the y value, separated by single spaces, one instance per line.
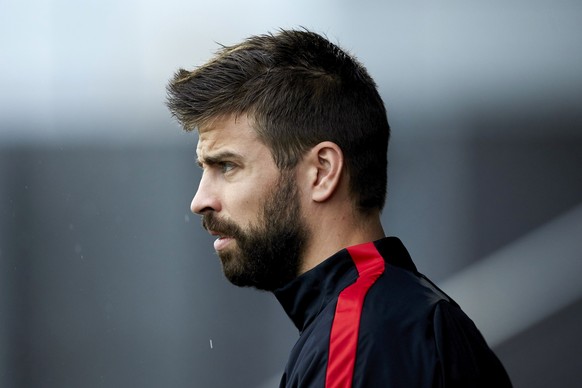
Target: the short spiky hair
pixel 298 89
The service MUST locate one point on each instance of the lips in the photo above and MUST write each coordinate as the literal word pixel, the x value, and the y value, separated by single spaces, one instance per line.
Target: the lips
pixel 220 235
pixel 225 231
pixel 222 242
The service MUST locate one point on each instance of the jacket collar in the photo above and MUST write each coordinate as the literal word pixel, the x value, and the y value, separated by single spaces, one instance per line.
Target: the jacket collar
pixel 306 296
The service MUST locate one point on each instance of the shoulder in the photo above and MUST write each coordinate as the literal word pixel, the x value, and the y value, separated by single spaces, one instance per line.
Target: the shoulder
pixel 402 297
pixel 467 360
pixel 411 331
pixel 396 339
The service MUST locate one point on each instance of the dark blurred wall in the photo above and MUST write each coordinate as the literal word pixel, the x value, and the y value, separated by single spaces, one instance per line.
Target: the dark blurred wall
pixel 108 280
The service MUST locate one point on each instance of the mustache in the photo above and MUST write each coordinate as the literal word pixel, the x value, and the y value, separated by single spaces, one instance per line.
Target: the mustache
pixel 211 222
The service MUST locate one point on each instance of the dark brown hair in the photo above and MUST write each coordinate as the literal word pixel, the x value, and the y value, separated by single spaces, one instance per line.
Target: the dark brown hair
pixel 298 89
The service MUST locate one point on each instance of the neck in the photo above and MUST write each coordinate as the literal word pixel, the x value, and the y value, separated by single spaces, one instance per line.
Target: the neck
pixel 333 233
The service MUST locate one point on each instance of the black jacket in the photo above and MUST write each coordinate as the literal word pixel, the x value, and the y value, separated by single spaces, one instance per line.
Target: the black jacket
pixel 368 318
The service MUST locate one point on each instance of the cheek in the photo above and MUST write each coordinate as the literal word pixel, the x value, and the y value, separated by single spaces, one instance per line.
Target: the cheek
pixel 245 206
pixel 246 199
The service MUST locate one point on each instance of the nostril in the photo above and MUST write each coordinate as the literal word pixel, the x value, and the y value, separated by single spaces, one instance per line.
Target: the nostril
pixel 204 211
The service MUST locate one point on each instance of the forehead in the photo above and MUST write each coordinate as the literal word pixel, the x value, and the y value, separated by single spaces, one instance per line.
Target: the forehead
pixel 232 133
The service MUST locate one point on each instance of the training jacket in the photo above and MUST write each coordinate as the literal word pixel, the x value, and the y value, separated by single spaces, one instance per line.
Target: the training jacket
pixel 368 318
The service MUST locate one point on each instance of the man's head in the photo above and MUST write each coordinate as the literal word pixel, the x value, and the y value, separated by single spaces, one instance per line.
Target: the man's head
pixel 272 111
pixel 298 90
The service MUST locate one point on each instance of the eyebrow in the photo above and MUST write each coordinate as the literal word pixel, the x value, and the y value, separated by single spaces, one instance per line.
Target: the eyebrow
pixel 211 160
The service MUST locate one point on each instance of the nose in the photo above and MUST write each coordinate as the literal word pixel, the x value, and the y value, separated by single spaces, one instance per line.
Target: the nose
pixel 206 198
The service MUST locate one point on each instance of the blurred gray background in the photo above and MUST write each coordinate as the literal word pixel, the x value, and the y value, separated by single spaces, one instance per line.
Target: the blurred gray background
pixel 107 280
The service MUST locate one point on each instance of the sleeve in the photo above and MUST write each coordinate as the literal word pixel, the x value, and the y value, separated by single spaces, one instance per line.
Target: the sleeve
pixel 466 359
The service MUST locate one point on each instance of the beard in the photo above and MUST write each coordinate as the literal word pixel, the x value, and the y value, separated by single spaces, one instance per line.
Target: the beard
pixel 268 253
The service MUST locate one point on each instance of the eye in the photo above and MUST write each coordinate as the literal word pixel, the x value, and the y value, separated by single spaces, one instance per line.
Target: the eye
pixel 226 166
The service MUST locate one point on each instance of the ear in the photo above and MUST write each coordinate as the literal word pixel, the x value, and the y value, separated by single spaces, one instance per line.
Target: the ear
pixel 325 164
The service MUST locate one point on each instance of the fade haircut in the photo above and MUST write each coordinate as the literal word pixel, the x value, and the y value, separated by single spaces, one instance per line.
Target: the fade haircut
pixel 298 89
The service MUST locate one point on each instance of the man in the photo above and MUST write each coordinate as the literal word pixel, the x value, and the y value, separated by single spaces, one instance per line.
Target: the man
pixel 293 140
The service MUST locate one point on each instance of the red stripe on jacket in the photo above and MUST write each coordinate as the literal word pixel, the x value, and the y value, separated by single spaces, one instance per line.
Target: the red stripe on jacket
pixel 346 322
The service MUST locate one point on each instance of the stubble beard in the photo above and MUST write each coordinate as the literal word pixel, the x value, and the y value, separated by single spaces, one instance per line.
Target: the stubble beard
pixel 268 253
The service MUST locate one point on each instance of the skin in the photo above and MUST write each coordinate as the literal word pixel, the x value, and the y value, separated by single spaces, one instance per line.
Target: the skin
pixel 239 173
